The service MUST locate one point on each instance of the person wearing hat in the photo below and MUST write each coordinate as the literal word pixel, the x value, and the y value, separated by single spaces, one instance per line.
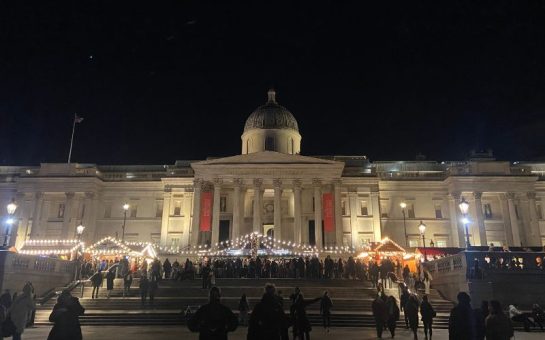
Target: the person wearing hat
pixel 65 316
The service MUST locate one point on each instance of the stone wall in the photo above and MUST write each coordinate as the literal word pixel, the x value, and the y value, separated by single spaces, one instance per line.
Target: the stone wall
pixel 44 273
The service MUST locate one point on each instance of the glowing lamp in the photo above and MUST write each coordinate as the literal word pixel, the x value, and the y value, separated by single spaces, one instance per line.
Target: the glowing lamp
pixel 464 206
pixel 403 205
pixel 422 228
pixel 465 220
pixel 79 229
pixel 126 206
pixel 11 207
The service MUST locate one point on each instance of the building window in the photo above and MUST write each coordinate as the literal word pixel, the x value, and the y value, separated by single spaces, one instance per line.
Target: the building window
pixel 134 209
pixel 410 210
pixel 269 143
pixel 364 211
pixel 313 204
pixel 487 211
pixel 177 208
pixel 174 242
pixel 60 210
pixel 539 212
pixel 159 209
pixel 384 209
pixel 108 210
pixel 414 243
pixel 438 211
pixel 344 208
pixel 223 204
pixel 441 243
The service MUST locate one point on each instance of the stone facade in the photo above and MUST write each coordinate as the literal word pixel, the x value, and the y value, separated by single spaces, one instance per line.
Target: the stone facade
pixel 273 189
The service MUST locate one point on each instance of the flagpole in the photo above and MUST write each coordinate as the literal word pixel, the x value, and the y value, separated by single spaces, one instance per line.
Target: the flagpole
pixel 72 139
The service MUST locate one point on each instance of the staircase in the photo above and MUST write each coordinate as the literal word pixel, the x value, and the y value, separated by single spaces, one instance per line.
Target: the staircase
pixel 351 302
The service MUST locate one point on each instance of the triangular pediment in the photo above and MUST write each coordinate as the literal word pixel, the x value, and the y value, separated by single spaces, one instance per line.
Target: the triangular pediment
pixel 266 157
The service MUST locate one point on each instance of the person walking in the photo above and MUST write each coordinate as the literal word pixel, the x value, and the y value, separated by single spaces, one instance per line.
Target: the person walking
pixel 302 325
pixel 96 281
pixel 393 315
pixel 428 313
pixel 65 316
pixel 110 276
pixel 144 286
pixel 461 323
pixel 480 316
pixel 243 308
pixel 167 268
pixel 268 320
pixel 380 313
pixel 213 320
pixel 411 309
pixel 325 311
pixel 127 282
pixel 404 298
pixel 20 309
pixel 152 290
pixel 497 324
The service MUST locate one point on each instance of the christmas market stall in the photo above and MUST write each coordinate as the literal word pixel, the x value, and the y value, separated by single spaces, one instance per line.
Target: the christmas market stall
pixel 110 250
pixel 61 249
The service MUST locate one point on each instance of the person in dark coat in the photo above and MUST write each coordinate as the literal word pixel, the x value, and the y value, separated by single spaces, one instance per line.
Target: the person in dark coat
pixel 152 290
pixel 110 276
pixel 404 298
pixel 461 323
pixel 393 315
pixel 411 309
pixel 428 313
pixel 380 313
pixel 268 320
pixel 243 309
pixel 325 310
pixel 213 320
pixel 65 316
pixel 497 325
pixel 167 268
pixel 480 316
pixel 96 281
pixel 301 325
pixel 144 286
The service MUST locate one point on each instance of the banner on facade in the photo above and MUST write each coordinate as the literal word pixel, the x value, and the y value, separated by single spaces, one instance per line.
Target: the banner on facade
pixel 328 212
pixel 206 211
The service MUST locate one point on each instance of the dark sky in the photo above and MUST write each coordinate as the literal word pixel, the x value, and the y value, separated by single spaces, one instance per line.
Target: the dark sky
pixel 176 79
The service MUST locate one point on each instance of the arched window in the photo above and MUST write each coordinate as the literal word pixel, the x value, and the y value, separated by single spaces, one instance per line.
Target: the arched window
pixel 269 143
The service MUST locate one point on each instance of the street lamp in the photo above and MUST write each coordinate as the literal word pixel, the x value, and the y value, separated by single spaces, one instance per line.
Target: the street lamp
pixel 403 205
pixel 11 207
pixel 464 206
pixel 126 207
pixel 79 231
pixel 422 228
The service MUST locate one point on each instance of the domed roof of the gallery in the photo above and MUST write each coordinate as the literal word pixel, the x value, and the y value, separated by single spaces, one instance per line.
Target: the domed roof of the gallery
pixel 271 116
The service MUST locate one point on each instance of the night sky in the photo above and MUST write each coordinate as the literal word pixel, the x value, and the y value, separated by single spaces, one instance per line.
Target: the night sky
pixel 175 80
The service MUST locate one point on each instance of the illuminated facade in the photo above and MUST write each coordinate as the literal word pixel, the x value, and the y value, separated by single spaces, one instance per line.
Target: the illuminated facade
pixel 272 189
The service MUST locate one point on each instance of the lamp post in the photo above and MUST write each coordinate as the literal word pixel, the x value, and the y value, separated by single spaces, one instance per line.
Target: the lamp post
pixel 464 206
pixel 79 231
pixel 126 207
pixel 422 228
pixel 11 207
pixel 403 205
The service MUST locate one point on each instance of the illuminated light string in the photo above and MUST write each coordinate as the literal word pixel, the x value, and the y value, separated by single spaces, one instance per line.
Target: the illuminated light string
pixel 51 243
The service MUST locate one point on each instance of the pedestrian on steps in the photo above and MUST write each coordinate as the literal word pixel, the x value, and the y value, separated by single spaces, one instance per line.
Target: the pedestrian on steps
pixel 428 313
pixel 411 309
pixel 213 320
pixel 127 282
pixel 65 316
pixel 380 313
pixel 393 315
pixel 96 281
pixel 20 309
pixel 110 276
pixel 325 311
pixel 152 290
pixel 243 308
pixel 144 285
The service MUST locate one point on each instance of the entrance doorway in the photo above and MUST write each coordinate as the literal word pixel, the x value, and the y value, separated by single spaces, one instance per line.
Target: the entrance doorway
pixel 268 230
pixel 312 233
pixel 224 231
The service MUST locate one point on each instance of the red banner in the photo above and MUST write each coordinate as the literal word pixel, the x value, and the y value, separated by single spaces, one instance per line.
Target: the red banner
pixel 206 211
pixel 328 212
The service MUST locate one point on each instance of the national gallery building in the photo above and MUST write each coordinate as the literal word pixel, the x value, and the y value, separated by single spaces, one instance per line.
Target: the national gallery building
pixel 272 189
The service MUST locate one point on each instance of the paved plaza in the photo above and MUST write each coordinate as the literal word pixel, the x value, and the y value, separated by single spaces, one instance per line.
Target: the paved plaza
pixel 180 332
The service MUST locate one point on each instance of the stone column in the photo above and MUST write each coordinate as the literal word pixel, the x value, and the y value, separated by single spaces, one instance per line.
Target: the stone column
pixel 534 223
pixel 480 218
pixel 237 182
pixel 67 230
pixel 277 183
pixel 353 202
pixel 318 212
pixel 188 198
pixel 258 205
pixel 35 232
pixel 297 184
pixel 377 226
pixel 89 218
pixel 216 211
pixel 506 220
pixel 165 218
pixel 197 187
pixel 338 216
pixel 456 228
pixel 513 219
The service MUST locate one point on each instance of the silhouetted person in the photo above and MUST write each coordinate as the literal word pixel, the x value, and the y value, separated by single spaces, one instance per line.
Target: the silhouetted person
pixel 480 316
pixel 411 309
pixel 213 320
pixel 144 286
pixel 110 276
pixel 403 299
pixel 380 313
pixel 268 320
pixel 243 308
pixel 325 311
pixel 497 324
pixel 461 323
pixel 428 313
pixel 393 314
pixel 65 316
pixel 96 281
pixel 301 322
